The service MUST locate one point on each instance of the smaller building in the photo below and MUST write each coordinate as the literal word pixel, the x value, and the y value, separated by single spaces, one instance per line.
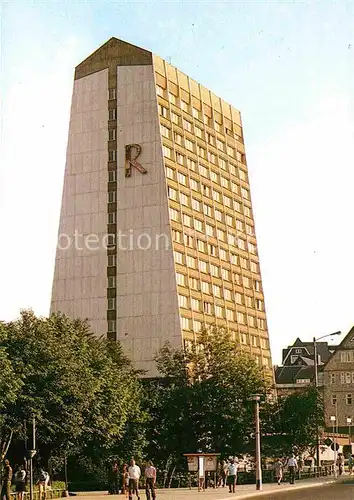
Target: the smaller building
pixel 298 366
pixel 339 386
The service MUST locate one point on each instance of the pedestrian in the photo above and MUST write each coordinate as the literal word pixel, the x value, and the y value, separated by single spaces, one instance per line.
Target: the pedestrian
pixel 125 480
pixel 134 476
pixel 6 481
pixel 43 481
pixel 150 481
pixel 232 476
pixel 292 466
pixel 20 482
pixel 350 464
pixel 340 463
pixel 278 470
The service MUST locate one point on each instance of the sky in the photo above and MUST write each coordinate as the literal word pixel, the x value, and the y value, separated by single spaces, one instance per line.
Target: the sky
pixel 289 68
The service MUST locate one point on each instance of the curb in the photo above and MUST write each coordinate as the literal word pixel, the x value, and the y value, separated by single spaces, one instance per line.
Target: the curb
pixel 282 490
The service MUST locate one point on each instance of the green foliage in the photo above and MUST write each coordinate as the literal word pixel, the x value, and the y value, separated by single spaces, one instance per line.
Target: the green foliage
pixel 291 423
pixel 82 390
pixel 205 402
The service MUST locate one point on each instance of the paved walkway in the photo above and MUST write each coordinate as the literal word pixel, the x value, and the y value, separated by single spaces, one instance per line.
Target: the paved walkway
pixel 242 491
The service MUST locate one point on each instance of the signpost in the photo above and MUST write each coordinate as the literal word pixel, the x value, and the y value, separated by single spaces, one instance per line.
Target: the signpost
pixel 202 463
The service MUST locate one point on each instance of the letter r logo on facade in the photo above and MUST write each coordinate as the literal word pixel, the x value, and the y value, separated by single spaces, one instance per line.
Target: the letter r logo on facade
pixel 132 152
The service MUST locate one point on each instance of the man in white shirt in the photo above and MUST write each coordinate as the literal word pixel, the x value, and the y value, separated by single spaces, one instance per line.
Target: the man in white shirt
pixel 232 476
pixel 292 466
pixel 134 476
pixel 150 481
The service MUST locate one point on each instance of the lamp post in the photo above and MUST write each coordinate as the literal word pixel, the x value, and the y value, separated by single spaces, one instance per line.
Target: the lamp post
pixel 349 422
pixel 32 453
pixel 316 385
pixel 333 420
pixel 256 398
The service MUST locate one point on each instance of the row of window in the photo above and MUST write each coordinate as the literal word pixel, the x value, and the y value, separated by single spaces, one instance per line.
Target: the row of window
pixel 217 143
pixel 344 377
pixel 225 274
pixel 196 326
pixel 206 190
pixel 219 311
pixel 347 356
pixel 196 113
pixel 348 399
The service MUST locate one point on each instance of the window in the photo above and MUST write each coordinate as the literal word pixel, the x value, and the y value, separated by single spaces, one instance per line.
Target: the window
pixel 333 378
pixel 183 198
pixel 184 105
pixel 234 187
pixel 205 287
pixel 111 282
pixel 189 145
pixel 247 211
pixel 112 218
pixel 244 263
pixel 201 152
pixel 240 318
pixel 223 254
pixel 201 246
pixel 197 326
pixel 178 138
pixel 203 266
pixel 172 97
pixel 182 179
pixel 112 94
pixel 224 182
pixel 207 307
pixel 257 286
pixel 227 294
pixel 187 125
pixel 238 298
pixel 261 323
pixel 170 173
pixel 165 131
pixel 188 222
pixel 195 303
pixel 219 312
pixel 251 321
pixel 203 171
pixel 218 126
pixel 178 257
pixel 160 91
pixel 206 190
pixel 112 114
pixel 111 304
pixel 237 206
pixel 193 283
pixel 218 215
pixel 112 134
pixel 212 250
pixel 334 399
pixel 243 175
pixel 236 278
pixel 195 112
pixel 174 118
pixel 195 204
pixel 183 301
pixel 342 378
pixel 348 378
pixel 112 155
pixel 241 243
pixel 259 304
pixel 192 164
pixel 185 323
pixel 227 201
pixel 222 163
pixel 163 111
pixel 111 240
pixel 348 399
pixel 194 185
pixel 254 341
pixel 111 326
pixel 214 270
pixel 167 152
pixel 174 215
pixel 230 151
pixel 112 175
pixel 176 236
pixel 217 196
pixel 191 262
pixel 188 240
pixel 181 279
pixel 245 193
pixel 247 283
pixel 220 145
pixel 112 260
pixel 231 239
pixel 207 210
pixel 264 343
pixel 198 132
pixel 216 291
pixel 243 338
pixel 220 234
pixel 239 225
pixel 212 157
pixel 234 259
pixel 254 267
pixel 209 230
pixel 179 159
pixel 249 301
pixel 233 170
pixel 112 196
pixel 225 273
pixel 172 193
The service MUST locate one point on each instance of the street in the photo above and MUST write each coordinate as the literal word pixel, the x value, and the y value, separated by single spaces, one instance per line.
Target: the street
pixel 339 491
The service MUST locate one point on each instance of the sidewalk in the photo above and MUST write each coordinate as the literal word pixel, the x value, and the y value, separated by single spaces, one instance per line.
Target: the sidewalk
pixel 242 491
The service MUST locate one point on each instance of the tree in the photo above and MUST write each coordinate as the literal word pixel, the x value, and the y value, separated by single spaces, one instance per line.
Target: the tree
pixel 291 424
pixel 82 390
pixel 204 400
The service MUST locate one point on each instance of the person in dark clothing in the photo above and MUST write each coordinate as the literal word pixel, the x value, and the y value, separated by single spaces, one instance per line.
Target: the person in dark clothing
pixel 6 481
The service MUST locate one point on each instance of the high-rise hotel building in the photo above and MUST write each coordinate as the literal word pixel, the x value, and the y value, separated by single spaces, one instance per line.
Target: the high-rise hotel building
pixel 156 233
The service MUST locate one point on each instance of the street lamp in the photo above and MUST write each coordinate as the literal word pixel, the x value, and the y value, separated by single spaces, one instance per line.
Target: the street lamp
pixel 316 385
pixel 333 420
pixel 256 398
pixel 349 422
